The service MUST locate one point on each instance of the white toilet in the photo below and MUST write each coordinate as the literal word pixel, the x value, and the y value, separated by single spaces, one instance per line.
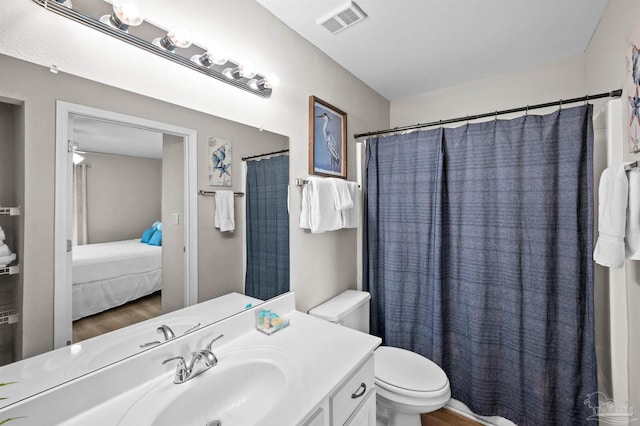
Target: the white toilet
pixel 407 384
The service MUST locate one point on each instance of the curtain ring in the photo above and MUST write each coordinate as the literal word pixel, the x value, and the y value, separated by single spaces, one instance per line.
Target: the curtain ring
pixel 560 103
pixel 440 123
pixel 586 101
pixel 526 113
pixel 495 117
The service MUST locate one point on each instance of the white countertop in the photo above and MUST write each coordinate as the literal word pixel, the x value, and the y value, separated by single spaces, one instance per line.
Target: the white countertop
pixel 322 354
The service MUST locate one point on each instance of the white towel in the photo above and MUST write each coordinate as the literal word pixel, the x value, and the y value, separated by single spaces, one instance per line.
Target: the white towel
pixel 322 214
pixel 613 192
pixel 4 250
pixel 632 235
pixel 304 208
pixel 5 260
pixel 341 195
pixel 2 236
pixel 351 217
pixel 223 217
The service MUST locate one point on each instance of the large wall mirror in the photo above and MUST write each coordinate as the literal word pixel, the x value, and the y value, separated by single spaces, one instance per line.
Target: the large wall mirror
pixel 143 161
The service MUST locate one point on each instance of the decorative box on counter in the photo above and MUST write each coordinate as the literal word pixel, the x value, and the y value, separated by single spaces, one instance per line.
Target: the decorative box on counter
pixel 269 322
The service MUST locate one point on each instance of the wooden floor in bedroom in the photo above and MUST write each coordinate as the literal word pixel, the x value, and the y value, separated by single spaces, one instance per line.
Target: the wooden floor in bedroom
pixel 121 316
pixel 445 417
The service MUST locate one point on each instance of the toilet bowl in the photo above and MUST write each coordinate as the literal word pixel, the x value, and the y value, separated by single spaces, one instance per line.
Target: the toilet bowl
pixel 407 384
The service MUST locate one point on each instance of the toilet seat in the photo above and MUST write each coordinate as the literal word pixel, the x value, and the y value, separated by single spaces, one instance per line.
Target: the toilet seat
pixel 407 373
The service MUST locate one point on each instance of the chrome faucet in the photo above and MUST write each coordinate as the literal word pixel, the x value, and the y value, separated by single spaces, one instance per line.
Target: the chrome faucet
pixel 166 330
pixel 185 372
pixel 168 335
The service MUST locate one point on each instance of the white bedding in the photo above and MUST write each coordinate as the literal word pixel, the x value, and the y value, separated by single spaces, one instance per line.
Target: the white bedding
pixel 110 274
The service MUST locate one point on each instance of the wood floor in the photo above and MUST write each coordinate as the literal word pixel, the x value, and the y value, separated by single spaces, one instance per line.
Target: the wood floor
pixel 150 307
pixel 121 316
pixel 444 417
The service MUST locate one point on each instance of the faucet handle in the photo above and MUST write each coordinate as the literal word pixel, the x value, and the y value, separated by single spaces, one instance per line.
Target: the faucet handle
pixel 211 342
pixel 181 362
pixel 182 371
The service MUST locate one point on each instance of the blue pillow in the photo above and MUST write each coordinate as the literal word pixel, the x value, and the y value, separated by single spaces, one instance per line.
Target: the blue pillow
pixel 157 225
pixel 156 238
pixel 146 235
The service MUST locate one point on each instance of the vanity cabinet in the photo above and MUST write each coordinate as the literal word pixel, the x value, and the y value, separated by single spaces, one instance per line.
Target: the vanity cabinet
pixel 353 403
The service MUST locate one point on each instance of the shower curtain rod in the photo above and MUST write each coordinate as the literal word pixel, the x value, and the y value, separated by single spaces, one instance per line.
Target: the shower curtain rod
pixel 612 94
pixel 282 151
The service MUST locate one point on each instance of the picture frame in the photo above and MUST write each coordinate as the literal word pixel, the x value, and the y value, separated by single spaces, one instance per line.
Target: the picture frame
pixel 327 139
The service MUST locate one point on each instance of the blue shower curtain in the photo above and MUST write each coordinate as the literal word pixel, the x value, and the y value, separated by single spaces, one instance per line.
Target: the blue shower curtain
pixel 479 257
pixel 267 227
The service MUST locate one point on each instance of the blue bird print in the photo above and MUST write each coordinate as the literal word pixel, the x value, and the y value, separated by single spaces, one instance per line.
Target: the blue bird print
pixel 330 142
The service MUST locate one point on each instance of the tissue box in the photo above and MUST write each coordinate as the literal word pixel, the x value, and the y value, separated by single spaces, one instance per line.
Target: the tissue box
pixel 269 322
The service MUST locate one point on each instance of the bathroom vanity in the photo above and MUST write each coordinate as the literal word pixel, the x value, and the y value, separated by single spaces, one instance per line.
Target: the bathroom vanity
pixel 309 373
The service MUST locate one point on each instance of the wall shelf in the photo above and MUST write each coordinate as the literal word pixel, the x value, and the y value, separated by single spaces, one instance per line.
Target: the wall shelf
pixel 9 270
pixel 8 315
pixel 10 211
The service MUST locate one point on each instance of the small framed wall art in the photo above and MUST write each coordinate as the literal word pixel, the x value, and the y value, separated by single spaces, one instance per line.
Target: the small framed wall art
pixel 327 139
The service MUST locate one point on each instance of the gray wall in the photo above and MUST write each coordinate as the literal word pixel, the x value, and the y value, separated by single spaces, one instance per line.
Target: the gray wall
pixel 219 258
pixel 172 233
pixel 124 196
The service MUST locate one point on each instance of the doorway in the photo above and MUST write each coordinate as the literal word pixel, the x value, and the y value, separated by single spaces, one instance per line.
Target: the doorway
pixel 63 210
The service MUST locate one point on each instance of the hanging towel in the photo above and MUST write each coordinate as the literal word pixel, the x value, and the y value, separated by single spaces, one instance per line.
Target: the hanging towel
pixel 632 235
pixel 2 236
pixel 304 208
pixel 5 260
pixel 341 195
pixel 613 193
pixel 322 214
pixel 4 250
pixel 351 217
pixel 223 217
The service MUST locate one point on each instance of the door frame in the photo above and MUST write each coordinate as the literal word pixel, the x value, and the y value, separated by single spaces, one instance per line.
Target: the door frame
pixel 62 297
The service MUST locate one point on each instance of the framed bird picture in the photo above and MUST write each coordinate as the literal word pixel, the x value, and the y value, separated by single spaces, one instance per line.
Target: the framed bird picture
pixel 327 139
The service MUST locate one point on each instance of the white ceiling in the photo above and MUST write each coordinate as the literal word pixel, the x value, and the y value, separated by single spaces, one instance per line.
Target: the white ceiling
pixel 104 137
pixel 409 47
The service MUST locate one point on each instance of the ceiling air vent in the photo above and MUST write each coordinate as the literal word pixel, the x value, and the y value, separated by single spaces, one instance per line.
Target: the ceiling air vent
pixel 344 18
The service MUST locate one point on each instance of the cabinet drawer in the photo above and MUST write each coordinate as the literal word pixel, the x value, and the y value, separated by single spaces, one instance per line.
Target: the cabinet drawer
pixel 346 399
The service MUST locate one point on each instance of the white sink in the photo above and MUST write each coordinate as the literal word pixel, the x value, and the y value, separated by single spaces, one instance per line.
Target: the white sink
pixel 243 389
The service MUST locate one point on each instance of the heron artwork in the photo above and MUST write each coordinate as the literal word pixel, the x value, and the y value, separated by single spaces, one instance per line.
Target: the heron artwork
pixel 330 142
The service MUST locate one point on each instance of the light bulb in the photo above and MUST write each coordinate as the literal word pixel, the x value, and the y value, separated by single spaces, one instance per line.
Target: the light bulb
pixel 125 15
pixel 219 57
pixel 177 37
pixel 247 70
pixel 265 83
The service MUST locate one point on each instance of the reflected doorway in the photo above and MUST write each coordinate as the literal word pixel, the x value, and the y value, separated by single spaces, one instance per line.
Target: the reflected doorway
pixel 175 209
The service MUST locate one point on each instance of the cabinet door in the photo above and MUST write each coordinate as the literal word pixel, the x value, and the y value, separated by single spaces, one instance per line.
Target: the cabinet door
pixel 365 415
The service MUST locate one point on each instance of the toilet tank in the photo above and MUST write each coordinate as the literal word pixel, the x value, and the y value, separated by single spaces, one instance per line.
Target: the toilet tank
pixel 350 309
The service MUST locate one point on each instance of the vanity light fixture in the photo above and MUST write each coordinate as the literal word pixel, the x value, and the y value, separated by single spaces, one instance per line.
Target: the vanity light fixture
pixel 125 15
pixel 127 24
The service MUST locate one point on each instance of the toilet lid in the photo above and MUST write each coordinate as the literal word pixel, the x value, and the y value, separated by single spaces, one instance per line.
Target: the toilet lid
pixel 408 370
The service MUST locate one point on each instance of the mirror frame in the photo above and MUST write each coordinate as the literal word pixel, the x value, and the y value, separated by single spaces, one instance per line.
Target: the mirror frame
pixel 62 324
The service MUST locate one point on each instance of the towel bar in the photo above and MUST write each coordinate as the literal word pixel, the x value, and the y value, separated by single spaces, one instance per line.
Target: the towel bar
pixel 203 192
pixel 301 182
